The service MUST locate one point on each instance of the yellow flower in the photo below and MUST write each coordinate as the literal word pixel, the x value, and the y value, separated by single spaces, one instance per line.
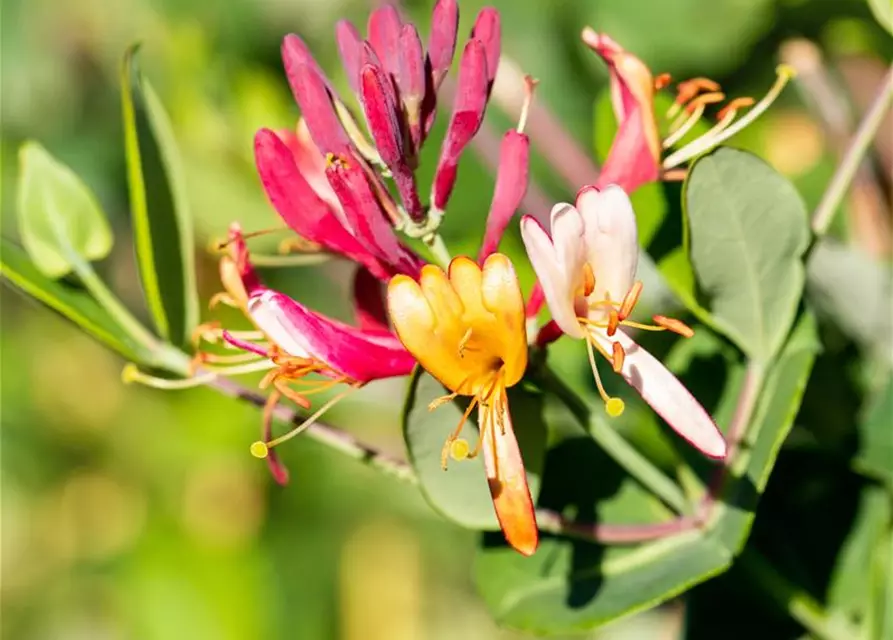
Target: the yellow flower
pixel 467 329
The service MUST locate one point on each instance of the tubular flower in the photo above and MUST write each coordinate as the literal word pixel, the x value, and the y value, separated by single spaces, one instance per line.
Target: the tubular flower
pixel 290 343
pixel 466 327
pixel 395 81
pixel 587 270
pixel 636 156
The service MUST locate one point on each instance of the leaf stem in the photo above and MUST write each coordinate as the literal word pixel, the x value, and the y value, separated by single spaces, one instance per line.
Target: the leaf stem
pixel 797 603
pixel 623 453
pixel 856 149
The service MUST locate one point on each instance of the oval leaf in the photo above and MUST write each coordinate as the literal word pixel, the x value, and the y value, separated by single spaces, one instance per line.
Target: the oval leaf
pixel 747 232
pixel 60 220
pixel 460 493
pixel 73 303
pixel 161 221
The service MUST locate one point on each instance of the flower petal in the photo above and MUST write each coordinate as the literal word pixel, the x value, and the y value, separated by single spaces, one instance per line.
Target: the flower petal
pixel 507 478
pixel 511 185
pixel 611 240
pixel 556 288
pixel 369 306
pixel 502 297
pixel 301 332
pixel 667 395
pixel 630 162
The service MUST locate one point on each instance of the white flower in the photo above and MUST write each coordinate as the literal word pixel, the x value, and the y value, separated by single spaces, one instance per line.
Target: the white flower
pixel 587 270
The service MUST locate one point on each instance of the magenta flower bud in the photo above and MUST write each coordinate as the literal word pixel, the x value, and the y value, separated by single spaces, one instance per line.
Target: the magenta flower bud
pixel 468 113
pixel 487 30
pixel 442 42
pixel 350 45
pixel 383 32
pixel 314 99
pixel 411 80
pixel 511 185
pixel 295 51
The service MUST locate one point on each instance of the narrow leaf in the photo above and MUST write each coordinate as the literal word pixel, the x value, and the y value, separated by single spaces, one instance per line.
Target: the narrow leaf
pixel 70 301
pixel 60 220
pixel 161 220
pixel 747 232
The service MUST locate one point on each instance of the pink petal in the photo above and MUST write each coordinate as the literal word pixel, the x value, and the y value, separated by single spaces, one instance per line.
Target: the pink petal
pixel 301 208
pixel 667 396
pixel 468 113
pixel 357 354
pixel 487 30
pixel 412 80
pixel 369 303
pixel 630 162
pixel 311 164
pixel 511 185
pixel 442 42
pixel 384 36
pixel 558 290
pixel 350 44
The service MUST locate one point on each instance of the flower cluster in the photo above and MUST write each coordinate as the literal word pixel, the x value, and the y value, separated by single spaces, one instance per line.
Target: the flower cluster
pixel 467 324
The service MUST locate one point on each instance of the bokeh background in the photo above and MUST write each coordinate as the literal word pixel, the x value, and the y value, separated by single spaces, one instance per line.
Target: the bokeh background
pixel 134 513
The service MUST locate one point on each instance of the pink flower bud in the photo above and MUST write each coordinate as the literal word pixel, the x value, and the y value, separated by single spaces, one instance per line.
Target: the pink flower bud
pixel 511 185
pixel 442 42
pixel 384 35
pixel 412 80
pixel 468 113
pixel 350 44
pixel 487 30
pixel 314 98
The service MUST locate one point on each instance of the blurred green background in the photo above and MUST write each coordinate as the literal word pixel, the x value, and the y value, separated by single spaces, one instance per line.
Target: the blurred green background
pixel 132 513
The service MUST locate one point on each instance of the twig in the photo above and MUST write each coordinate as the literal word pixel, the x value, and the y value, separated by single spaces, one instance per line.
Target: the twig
pixel 856 149
pixel 552 522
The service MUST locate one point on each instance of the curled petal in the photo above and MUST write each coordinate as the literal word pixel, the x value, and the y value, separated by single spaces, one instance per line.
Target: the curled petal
pixel 511 185
pixel 611 240
pixel 556 286
pixel 507 478
pixel 666 395
pixel 630 162
pixel 359 355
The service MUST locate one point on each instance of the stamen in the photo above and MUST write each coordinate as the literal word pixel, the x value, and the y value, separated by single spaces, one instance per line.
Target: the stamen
pixel 614 406
pixel 447 446
pixel 299 260
pixel 459 449
pixel 221 297
pixel 733 106
pixel 588 280
pixel 690 117
pixel 240 340
pixel 442 400
pixel 688 89
pixel 618 355
pixel 297 244
pixel 464 342
pixel 613 322
pixel 529 85
pixel 661 81
pixel 674 325
pixel 630 300
pixel 261 449
pixel 643 327
pixel 704 143
pixel 282 387
pixel 366 149
pixel 131 373
pixel 220 245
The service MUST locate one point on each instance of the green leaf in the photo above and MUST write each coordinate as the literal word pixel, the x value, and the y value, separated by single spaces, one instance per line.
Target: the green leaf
pixel 883 13
pixel 161 221
pixel 747 232
pixel 875 455
pixel 73 303
pixel 460 493
pixel 60 220
pixel 772 420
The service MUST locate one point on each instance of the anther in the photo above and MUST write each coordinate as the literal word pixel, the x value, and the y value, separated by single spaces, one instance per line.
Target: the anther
pixel 618 355
pixel 588 280
pixel 630 300
pixel 732 107
pixel 704 99
pixel 661 81
pixel 613 322
pixel 674 325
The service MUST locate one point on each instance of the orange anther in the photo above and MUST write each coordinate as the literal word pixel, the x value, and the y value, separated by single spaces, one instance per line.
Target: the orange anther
pixel 674 325
pixel 661 81
pixel 588 280
pixel 734 105
pixel 617 357
pixel 613 322
pixel 705 99
pixel 630 300
pixel 690 88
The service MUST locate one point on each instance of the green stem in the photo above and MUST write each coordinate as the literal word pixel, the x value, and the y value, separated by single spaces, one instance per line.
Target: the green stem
pixel 439 250
pixel 798 604
pixel 845 172
pixel 623 453
pixel 118 311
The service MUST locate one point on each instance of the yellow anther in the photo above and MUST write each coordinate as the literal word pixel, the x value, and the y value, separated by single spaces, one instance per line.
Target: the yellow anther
pixel 614 407
pixel 459 449
pixel 630 300
pixel 259 449
pixel 613 322
pixel 674 325
pixel 588 280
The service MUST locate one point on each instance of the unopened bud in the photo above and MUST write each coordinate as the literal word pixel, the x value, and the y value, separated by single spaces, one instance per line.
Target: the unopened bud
pixel 511 185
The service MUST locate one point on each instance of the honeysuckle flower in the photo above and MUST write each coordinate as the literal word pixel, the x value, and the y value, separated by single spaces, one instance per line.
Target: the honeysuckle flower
pixel 290 343
pixel 467 328
pixel 396 84
pixel 637 154
pixel 587 270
